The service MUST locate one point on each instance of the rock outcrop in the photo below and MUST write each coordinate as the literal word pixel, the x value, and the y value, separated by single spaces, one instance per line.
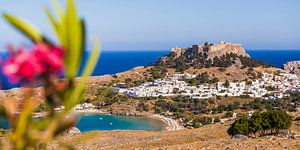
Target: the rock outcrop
pixel 209 55
pixel 71 131
pixel 211 50
pixel 292 67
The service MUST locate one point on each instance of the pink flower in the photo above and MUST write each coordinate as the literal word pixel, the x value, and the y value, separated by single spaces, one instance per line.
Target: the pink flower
pixel 52 59
pixel 41 60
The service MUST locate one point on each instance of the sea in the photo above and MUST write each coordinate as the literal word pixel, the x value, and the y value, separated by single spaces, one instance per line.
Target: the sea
pixel 112 62
pixel 91 122
pixel 115 61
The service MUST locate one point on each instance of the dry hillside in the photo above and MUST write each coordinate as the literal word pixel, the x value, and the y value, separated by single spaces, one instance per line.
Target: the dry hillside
pixel 207 137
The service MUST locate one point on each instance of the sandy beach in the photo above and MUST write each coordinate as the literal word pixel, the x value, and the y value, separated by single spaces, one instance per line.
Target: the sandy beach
pixel 172 125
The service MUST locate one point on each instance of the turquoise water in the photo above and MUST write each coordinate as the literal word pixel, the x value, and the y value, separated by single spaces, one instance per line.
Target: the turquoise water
pixel 3 123
pixel 113 122
pixel 90 122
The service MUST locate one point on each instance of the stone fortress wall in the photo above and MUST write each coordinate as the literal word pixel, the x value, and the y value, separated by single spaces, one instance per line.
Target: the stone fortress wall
pixel 211 50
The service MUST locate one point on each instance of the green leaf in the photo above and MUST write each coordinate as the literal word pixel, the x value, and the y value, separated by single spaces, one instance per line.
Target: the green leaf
pixel 74 39
pixel 61 31
pixel 77 94
pixel 26 28
pixel 92 61
pixel 70 31
pixel 58 9
pixel 71 34
pixel 52 21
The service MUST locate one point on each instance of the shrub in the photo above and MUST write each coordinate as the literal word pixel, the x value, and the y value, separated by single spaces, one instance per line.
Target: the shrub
pixel 196 125
pixel 240 126
pixel 142 107
pixel 221 108
pixel 245 96
pixel 217 119
pixel 262 123
pixel 157 110
pixel 203 120
pixel 229 114
pixel 226 84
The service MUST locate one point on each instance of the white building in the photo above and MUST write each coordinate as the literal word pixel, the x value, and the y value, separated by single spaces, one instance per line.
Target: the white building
pixel 172 87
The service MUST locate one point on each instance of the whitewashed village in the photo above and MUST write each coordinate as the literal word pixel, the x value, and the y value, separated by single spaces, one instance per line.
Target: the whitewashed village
pixel 174 86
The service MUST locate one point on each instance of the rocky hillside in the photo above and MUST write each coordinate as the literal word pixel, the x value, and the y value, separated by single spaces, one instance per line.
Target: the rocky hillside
pixel 209 55
pixel 292 67
pixel 208 137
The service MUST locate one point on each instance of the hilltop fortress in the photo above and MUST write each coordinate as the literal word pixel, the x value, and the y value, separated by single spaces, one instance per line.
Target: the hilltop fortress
pixel 210 50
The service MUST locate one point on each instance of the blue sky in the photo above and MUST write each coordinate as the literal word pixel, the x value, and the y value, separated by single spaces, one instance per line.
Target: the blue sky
pixel 162 24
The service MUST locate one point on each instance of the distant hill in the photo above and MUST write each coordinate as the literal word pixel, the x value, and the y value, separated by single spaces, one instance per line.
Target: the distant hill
pixel 209 55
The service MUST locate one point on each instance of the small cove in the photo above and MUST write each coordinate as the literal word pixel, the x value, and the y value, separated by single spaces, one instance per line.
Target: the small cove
pixel 91 122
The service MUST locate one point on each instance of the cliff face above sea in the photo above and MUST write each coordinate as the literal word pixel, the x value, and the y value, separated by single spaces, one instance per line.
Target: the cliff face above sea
pixel 292 67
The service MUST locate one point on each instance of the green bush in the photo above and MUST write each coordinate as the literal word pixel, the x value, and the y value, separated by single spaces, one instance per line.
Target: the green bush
pixel 203 120
pixel 142 107
pixel 240 126
pixel 196 125
pixel 229 114
pixel 261 123
pixel 245 96
pixel 200 61
pixel 157 110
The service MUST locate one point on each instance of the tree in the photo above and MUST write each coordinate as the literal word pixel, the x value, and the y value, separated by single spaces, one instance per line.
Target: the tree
pixel 266 125
pixel 196 125
pixel 229 114
pixel 221 108
pixel 255 123
pixel 157 72
pixel 230 107
pixel 240 126
pixel 226 84
pixel 262 123
pixel 199 60
pixel 214 80
pixel 280 120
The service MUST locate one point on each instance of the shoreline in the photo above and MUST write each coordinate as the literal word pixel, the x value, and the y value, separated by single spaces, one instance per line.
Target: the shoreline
pixel 171 124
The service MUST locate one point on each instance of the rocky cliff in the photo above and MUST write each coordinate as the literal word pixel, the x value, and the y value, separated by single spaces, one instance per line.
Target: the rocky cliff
pixel 209 55
pixel 292 67
pixel 211 51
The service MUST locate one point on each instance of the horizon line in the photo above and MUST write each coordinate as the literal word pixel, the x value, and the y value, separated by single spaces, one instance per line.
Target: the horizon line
pixel 170 49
